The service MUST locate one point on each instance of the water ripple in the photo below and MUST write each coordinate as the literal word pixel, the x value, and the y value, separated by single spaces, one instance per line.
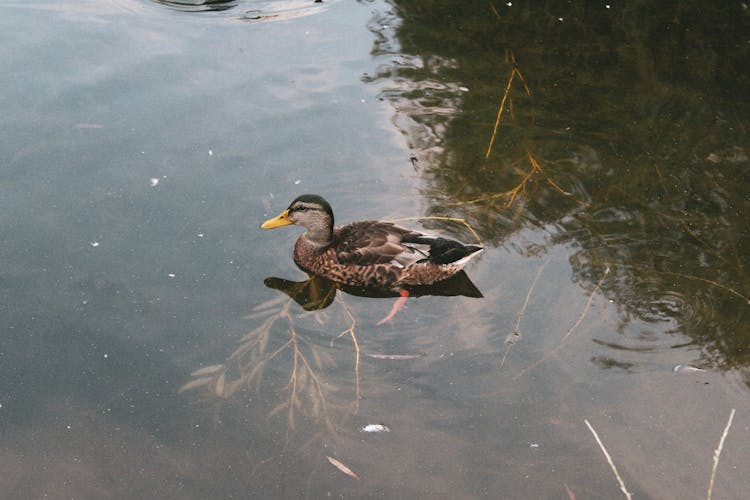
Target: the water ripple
pixel 199 5
pixel 248 10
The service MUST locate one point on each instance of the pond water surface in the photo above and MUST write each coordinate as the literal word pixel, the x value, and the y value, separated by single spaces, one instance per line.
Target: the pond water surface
pixel 149 346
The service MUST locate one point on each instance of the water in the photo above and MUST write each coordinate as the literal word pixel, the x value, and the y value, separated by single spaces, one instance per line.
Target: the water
pixel 143 142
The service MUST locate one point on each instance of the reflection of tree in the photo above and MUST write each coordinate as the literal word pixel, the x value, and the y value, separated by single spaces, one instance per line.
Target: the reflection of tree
pixel 285 341
pixel 636 119
pixel 282 342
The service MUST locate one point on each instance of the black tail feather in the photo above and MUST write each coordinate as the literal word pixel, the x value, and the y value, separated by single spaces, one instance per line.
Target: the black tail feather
pixel 442 250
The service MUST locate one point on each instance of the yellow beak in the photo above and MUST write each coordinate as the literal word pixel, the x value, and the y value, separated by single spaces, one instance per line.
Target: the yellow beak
pixel 280 220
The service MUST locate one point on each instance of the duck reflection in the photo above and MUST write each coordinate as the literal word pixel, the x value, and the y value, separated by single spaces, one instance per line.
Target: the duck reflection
pixel 199 5
pixel 317 292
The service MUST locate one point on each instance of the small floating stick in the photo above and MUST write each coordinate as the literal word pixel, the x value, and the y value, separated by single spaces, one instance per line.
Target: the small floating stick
pixel 572 328
pixel 717 453
pixel 517 329
pixel 343 468
pixel 628 495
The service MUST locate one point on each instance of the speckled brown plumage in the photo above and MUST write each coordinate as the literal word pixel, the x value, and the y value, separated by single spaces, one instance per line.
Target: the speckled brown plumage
pixel 370 254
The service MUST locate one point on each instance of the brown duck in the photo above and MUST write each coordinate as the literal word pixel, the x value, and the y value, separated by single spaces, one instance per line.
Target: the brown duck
pixel 370 254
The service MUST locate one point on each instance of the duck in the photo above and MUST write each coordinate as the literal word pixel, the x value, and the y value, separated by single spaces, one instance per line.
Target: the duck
pixel 369 254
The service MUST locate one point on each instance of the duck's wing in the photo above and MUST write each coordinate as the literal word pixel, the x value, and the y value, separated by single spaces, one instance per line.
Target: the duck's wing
pixel 373 242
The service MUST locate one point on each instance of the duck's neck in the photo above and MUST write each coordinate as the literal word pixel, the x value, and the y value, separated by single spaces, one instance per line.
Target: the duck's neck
pixel 318 238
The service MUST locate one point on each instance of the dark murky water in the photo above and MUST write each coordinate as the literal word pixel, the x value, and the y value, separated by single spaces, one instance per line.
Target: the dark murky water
pixel 143 142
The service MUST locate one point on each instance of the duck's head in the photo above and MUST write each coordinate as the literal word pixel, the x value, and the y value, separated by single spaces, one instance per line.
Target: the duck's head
pixel 310 211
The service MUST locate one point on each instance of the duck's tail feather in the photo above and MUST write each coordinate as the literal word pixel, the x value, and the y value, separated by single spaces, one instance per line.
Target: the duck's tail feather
pixel 444 251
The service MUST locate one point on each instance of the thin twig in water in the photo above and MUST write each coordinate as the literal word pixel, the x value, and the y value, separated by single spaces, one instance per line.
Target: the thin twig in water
pixel 609 460
pixel 303 383
pixel 588 304
pixel 522 186
pixel 570 331
pixel 514 72
pixel 352 332
pixel 710 282
pixel 511 194
pixel 516 333
pixel 717 453
pixel 571 495
pixel 499 114
pixel 293 380
pixel 559 189
pixel 494 11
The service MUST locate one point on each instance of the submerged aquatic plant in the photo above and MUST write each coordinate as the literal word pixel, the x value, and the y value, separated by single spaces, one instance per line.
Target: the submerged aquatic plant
pixel 280 342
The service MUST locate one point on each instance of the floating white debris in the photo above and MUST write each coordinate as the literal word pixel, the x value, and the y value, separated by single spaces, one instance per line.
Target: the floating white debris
pixel 210 152
pixel 94 244
pixel 200 235
pixel 154 181
pixel 463 89
pixel 713 158
pixel 687 368
pixel 88 125
pixel 106 356
pixel 171 275
pixel 533 445
pixel 297 181
pixel 509 4
pixel 375 428
pixel 393 356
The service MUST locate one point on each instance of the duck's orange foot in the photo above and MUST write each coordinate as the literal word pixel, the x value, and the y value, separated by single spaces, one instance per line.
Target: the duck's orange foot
pixel 400 302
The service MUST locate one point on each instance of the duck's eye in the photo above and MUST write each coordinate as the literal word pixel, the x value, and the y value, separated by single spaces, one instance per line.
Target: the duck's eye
pixel 301 209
